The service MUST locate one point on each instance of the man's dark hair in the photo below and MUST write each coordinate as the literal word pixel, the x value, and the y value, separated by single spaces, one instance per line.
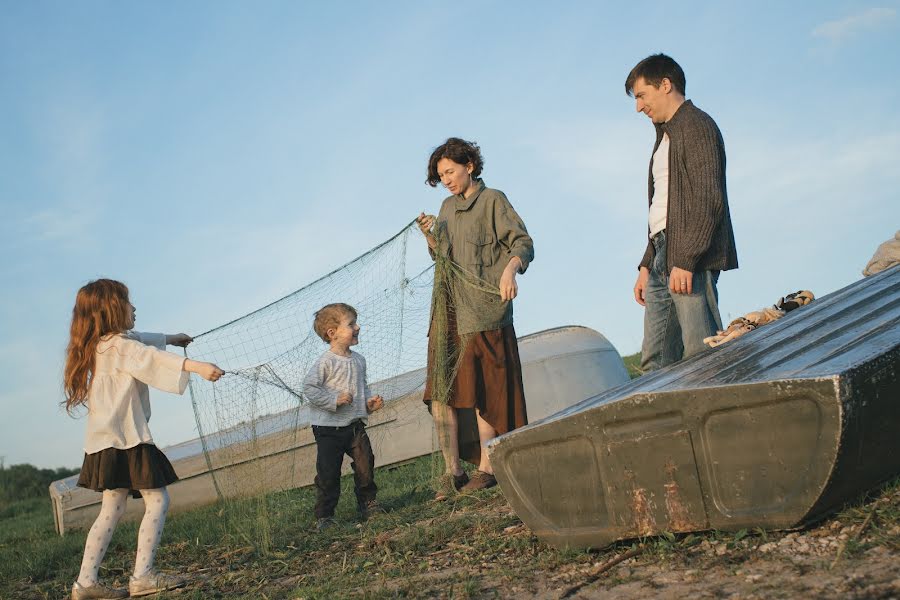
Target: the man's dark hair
pixel 459 151
pixel 654 69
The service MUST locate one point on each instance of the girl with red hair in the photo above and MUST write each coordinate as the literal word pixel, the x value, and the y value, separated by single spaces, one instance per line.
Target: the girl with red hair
pixel 108 370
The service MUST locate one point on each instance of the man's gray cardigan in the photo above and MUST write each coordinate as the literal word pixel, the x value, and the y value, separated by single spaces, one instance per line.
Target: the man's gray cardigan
pixel 699 236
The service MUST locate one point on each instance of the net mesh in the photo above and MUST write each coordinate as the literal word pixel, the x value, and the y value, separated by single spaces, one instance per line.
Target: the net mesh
pixel 253 423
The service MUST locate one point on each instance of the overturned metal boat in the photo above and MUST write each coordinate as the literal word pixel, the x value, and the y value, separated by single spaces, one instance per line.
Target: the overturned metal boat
pixel 774 430
pixel 402 431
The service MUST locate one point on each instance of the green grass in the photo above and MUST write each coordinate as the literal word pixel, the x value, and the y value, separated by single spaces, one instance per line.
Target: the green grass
pixel 633 364
pixel 410 541
pixel 472 546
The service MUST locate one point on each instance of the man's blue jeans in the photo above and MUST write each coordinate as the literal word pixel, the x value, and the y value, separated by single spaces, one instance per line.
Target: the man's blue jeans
pixel 675 324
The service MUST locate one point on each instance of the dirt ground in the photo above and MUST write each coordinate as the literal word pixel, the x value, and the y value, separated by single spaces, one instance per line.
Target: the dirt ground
pixel 795 569
pixel 795 566
pixel 835 559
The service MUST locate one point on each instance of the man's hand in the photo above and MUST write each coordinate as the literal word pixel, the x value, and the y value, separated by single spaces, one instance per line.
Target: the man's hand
pixel 374 403
pixel 179 339
pixel 681 281
pixel 509 289
pixel 641 285
pixel 344 398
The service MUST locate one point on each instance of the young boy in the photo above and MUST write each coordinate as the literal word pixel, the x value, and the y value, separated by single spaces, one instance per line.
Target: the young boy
pixel 340 403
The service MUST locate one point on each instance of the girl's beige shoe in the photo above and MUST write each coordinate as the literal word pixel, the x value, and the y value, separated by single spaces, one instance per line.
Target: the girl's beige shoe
pixel 97 591
pixel 153 583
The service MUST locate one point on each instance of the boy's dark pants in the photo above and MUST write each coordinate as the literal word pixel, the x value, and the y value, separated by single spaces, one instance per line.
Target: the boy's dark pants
pixel 332 443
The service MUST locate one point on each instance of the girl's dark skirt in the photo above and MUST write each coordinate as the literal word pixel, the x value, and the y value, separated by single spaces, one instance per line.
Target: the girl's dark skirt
pixel 489 379
pixel 143 467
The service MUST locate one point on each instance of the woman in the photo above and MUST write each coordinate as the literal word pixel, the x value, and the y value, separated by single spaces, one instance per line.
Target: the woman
pixel 487 245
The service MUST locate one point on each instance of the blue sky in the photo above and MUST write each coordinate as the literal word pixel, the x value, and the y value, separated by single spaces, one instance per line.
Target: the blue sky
pixel 218 155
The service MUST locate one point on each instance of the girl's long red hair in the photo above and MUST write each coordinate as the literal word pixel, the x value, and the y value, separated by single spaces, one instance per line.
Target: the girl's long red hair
pixel 101 309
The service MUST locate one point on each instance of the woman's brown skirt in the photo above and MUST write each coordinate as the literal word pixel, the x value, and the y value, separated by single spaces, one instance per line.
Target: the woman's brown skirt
pixel 489 379
pixel 143 467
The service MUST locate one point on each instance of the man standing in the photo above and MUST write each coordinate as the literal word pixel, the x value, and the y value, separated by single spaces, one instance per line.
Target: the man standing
pixel 690 233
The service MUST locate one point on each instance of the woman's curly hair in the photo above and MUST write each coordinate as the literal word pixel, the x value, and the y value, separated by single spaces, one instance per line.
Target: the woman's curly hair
pixel 459 151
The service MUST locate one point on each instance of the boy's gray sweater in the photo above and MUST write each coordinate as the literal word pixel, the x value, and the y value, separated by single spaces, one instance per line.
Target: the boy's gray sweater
pixel 330 375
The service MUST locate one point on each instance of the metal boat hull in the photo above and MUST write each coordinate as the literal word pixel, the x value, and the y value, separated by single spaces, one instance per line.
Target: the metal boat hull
pixel 774 430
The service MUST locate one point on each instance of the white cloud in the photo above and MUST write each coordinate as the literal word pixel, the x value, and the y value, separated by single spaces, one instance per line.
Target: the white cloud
pixel 808 213
pixel 603 160
pixel 71 139
pixel 830 170
pixel 60 224
pixel 841 29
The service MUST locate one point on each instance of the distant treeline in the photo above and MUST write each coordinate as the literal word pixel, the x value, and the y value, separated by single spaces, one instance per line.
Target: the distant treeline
pixel 19 482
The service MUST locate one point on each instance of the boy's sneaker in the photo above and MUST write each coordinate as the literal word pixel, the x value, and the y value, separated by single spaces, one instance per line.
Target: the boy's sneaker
pixel 449 485
pixel 480 481
pixel 97 591
pixel 153 583
pixel 325 523
pixel 371 509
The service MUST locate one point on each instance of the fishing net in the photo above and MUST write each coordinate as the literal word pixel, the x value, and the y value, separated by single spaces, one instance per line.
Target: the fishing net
pixel 254 422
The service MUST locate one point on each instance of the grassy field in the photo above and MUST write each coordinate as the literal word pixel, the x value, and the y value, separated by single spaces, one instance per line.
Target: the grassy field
pixel 472 546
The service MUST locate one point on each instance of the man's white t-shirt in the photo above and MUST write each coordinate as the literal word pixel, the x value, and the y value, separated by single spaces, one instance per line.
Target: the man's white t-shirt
pixel 660 202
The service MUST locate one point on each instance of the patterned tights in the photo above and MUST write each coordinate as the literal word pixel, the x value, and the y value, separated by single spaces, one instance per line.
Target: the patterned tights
pixel 156 505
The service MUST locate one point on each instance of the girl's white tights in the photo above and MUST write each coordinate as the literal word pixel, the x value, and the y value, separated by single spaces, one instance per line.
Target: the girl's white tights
pixel 156 505
pixel 100 534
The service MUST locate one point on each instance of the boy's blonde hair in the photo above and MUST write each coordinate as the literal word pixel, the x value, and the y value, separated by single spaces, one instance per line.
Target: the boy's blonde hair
pixel 329 316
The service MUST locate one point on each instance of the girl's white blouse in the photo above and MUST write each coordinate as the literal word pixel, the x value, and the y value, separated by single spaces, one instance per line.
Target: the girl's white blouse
pixel 118 399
